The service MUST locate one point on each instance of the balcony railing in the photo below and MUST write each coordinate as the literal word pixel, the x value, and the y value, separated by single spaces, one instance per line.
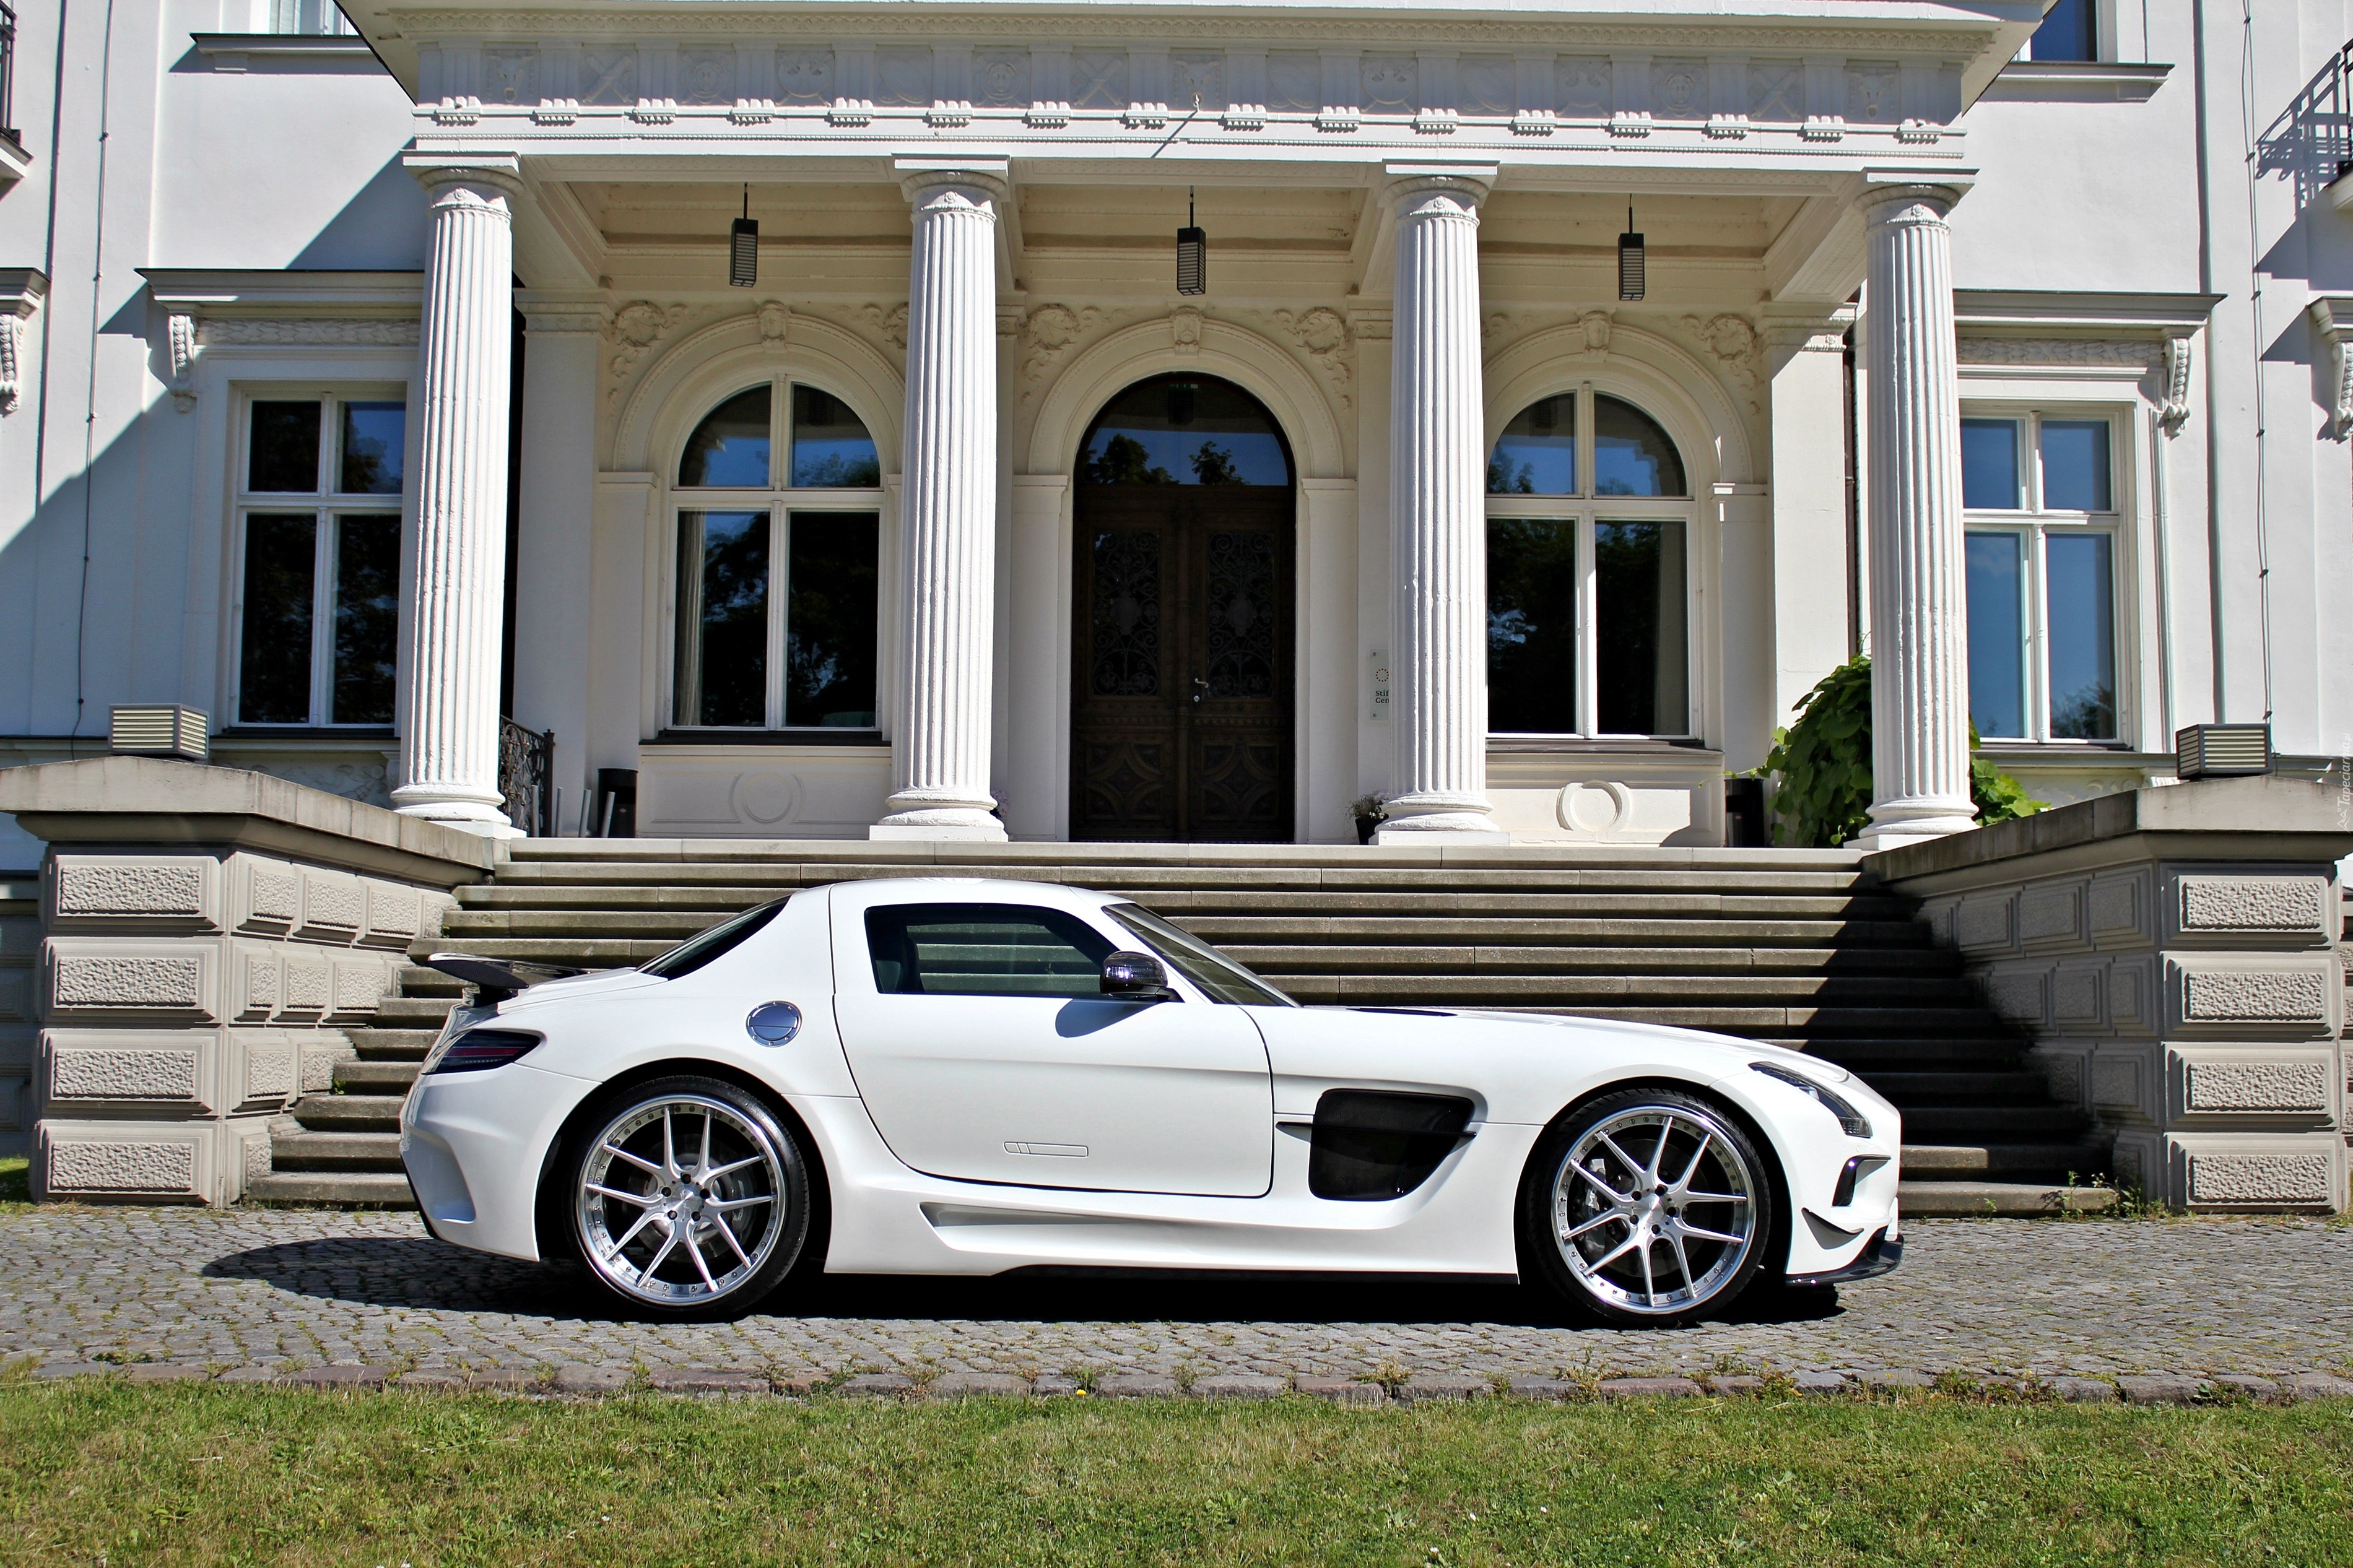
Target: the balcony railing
pixel 526 760
pixel 8 74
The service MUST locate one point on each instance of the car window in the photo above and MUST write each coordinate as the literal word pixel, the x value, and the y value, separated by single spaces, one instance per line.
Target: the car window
pixel 717 943
pixel 1204 965
pixel 984 950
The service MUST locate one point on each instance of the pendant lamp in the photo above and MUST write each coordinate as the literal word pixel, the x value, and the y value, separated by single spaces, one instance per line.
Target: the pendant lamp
pixel 744 247
pixel 1630 260
pixel 1192 254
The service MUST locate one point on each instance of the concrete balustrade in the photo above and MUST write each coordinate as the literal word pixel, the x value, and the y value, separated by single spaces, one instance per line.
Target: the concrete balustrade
pixel 2176 955
pixel 204 936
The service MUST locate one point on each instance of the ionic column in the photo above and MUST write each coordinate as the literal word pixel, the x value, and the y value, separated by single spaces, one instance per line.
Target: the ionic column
pixel 948 499
pixel 1919 605
pixel 450 710
pixel 1438 516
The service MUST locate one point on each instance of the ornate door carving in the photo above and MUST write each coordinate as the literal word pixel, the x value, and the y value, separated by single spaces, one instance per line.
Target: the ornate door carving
pixel 1181 693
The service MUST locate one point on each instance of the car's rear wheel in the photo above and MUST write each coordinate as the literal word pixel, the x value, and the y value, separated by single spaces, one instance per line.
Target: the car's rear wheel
pixel 686 1197
pixel 1650 1206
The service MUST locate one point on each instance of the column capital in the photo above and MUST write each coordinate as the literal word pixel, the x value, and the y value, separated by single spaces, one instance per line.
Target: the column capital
pixel 439 171
pixel 1467 182
pixel 1884 195
pixel 918 177
pixel 551 310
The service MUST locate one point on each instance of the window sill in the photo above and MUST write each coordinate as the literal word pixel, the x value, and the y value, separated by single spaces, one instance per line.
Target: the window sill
pixel 2043 81
pixel 229 52
pixel 724 738
pixel 266 733
pixel 1574 743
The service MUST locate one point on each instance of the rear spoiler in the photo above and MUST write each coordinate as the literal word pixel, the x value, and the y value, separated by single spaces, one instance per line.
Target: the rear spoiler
pixel 496 979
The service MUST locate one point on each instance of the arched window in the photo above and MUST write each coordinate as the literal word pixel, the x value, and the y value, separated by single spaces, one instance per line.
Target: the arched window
pixel 778 594
pixel 1184 430
pixel 1588 534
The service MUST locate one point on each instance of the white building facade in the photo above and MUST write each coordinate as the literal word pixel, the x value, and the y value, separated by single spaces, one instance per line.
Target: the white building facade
pixel 379 388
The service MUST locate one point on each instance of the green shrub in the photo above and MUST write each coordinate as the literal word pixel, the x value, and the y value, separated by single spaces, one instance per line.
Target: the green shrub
pixel 1823 762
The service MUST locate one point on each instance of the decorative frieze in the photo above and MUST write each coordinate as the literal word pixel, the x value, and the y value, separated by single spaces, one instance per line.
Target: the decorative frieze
pixel 1407 79
pixel 2128 354
pixel 305 332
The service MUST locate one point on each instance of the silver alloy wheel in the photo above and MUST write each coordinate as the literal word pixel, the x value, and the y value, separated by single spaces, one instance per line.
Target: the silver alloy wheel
pixel 1654 1209
pixel 680 1200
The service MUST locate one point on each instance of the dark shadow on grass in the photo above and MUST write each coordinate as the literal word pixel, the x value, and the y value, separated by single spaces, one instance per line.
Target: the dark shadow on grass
pixel 416 1272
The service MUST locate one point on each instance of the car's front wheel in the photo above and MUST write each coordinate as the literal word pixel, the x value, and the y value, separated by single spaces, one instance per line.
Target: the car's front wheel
pixel 686 1197
pixel 1650 1206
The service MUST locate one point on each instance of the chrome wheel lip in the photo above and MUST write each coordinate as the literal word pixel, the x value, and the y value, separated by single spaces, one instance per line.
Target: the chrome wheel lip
pixel 690 1197
pixel 1651 1213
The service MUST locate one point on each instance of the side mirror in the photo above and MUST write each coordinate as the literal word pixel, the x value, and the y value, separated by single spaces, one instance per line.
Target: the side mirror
pixel 1135 977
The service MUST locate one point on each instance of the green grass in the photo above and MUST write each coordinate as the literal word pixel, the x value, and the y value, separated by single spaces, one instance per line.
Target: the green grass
pixel 94 1473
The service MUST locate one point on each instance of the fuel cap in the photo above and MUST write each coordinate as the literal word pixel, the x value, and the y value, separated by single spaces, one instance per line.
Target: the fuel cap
pixel 774 1023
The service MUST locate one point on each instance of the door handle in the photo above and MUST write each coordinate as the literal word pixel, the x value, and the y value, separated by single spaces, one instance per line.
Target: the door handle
pixel 1200 687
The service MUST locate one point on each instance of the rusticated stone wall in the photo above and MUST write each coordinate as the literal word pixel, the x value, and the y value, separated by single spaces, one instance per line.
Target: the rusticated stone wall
pixel 188 996
pixel 20 942
pixel 204 937
pixel 2174 953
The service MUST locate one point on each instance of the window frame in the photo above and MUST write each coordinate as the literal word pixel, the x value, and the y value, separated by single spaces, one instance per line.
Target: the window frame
pixel 2035 524
pixel 781 500
pixel 329 508
pixel 1585 511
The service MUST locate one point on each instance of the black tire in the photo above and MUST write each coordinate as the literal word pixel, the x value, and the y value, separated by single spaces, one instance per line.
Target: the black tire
pixel 684 1199
pixel 1689 1207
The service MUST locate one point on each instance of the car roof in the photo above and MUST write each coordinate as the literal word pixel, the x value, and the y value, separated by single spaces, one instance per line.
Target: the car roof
pixel 976 890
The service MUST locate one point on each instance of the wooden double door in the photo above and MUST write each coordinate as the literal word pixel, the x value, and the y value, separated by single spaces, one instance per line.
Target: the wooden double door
pixel 1181 689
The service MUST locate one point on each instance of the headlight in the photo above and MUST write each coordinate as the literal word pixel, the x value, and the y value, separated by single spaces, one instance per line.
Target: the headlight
pixel 478 1049
pixel 1849 1117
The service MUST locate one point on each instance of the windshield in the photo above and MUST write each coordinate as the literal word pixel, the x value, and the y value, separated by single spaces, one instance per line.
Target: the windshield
pixel 1204 965
pixel 717 943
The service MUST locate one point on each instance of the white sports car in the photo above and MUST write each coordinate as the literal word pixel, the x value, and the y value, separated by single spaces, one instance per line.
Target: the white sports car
pixel 960 1077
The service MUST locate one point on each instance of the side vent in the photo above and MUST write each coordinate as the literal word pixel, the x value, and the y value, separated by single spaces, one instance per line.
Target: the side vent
pixel 1369 1146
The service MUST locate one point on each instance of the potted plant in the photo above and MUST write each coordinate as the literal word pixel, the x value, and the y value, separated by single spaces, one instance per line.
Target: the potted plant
pixel 1370 811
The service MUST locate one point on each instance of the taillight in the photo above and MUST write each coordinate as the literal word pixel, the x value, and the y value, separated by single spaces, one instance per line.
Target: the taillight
pixel 478 1049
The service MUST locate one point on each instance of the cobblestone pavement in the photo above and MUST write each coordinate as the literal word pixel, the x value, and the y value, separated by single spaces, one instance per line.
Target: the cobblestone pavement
pixel 286 1290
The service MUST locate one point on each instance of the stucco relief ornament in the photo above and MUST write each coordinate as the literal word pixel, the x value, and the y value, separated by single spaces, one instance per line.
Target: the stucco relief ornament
pixel 1597 331
pixel 1322 334
pixel 775 324
pixel 1733 341
pixel 1050 331
pixel 1184 329
pixel 635 327
pixel 181 336
pixel 2175 408
pixel 890 322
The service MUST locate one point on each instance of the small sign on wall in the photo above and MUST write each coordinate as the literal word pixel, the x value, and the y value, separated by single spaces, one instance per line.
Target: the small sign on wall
pixel 1376 668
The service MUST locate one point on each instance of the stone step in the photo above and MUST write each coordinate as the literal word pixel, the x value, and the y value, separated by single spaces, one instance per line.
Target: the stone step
pixel 1875 1056
pixel 350 1113
pixel 1525 968
pixel 579 856
pixel 391 1044
pixel 370 1078
pixel 300 1150
pixel 1909 1091
pixel 1893 965
pixel 1997 1123
pixel 2005 1200
pixel 332 1189
pixel 663 888
pixel 415 1011
pixel 1604 935
pixel 1960 1162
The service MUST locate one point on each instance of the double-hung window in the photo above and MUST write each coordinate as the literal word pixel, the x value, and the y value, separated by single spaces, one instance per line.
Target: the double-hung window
pixel 2044 567
pixel 779 532
pixel 1590 522
pixel 318 560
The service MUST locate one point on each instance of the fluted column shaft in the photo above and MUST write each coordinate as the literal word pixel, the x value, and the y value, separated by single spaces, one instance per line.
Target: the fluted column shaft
pixel 1437 528
pixel 948 497
pixel 450 710
pixel 1919 605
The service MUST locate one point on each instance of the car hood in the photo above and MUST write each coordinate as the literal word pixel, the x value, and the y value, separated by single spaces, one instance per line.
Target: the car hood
pixel 1818 1066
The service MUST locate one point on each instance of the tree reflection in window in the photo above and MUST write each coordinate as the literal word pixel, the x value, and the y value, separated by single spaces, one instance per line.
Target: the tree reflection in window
pixel 832 448
pixel 1184 430
pixel 1631 455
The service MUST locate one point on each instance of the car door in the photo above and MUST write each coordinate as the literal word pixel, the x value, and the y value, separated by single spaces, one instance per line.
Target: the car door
pixel 985 1052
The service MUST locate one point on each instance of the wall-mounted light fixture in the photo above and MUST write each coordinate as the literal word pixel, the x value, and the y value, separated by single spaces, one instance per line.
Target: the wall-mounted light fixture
pixel 1631 281
pixel 1192 254
pixel 744 247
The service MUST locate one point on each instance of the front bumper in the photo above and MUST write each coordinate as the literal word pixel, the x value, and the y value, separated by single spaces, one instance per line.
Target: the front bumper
pixel 1880 1255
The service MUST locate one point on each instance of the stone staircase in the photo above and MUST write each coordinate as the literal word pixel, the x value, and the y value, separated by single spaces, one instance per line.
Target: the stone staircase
pixel 1795 947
